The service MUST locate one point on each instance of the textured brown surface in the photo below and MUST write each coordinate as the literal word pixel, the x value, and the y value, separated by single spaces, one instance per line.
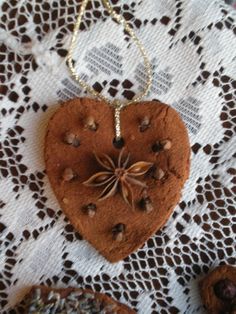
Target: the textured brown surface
pixel 121 308
pixel 213 304
pixel 165 193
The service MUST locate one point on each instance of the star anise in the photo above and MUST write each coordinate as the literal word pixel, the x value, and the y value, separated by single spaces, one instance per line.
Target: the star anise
pixel 118 177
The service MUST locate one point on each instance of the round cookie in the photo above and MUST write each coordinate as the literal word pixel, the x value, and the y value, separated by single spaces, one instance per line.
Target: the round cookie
pixel 218 290
pixel 152 133
pixel 41 297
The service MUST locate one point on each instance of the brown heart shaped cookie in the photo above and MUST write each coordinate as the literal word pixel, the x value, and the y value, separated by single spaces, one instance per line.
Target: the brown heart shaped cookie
pixel 138 194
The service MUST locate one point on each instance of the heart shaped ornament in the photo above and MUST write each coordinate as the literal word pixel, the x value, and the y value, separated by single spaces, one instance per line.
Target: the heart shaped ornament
pixel 117 197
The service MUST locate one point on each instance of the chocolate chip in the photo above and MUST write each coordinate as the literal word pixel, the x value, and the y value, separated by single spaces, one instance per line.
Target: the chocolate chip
pixel 225 289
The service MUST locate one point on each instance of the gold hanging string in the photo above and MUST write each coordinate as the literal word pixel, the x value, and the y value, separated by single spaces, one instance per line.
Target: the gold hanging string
pixel 116 104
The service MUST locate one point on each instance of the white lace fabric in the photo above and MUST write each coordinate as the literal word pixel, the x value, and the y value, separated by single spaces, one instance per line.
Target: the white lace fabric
pixel 192 45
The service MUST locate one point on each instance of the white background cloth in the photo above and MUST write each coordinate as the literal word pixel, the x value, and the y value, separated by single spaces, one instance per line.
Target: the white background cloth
pixel 193 50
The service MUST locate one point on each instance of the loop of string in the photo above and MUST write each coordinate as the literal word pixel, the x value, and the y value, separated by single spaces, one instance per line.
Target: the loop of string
pixel 117 105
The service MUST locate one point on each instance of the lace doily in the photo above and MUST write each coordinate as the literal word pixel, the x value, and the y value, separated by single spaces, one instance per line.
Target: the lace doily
pixel 192 46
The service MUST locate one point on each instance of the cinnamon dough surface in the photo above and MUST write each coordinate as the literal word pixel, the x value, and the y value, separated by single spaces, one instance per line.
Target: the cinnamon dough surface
pixel 217 290
pixel 70 144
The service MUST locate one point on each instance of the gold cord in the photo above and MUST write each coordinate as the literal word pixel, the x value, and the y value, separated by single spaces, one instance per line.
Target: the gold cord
pixel 116 104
